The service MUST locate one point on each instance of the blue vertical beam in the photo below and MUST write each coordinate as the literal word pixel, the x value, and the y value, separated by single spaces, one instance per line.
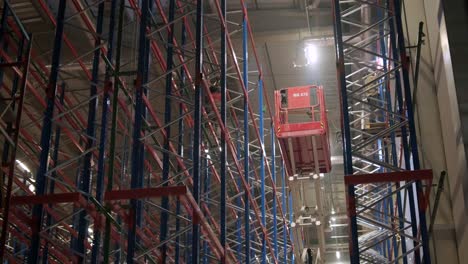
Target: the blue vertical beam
pixel 180 150
pixel 273 175
pixel 3 26
pixel 85 185
pixel 138 149
pixel 246 138
pixel 238 200
pixel 54 173
pixel 37 212
pixel 394 155
pixel 167 120
pixel 283 197
pixel 412 130
pixel 15 137
pixel 346 131
pixel 223 61
pixel 197 127
pixel 404 134
pixel 103 132
pixel 112 143
pixel 262 167
pixel 206 190
pixel 290 221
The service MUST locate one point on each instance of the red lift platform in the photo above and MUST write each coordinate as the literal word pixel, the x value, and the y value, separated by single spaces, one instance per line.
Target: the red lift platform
pixel 302 129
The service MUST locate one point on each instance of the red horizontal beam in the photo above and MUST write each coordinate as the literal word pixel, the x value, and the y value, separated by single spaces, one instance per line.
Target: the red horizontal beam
pixel 388 177
pixel 11 64
pixel 145 193
pixel 46 199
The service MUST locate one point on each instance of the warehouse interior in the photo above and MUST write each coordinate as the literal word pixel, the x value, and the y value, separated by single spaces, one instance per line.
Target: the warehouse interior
pixel 153 131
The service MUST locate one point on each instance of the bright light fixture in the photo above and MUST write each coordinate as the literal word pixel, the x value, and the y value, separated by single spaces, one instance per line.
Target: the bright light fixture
pixel 220 149
pixel 333 219
pixel 291 178
pixel 338 255
pixel 322 175
pixel 310 51
pixel 333 211
pixel 206 150
pixel 317 223
pixel 31 188
pixel 23 166
pixel 293 224
pixel 315 176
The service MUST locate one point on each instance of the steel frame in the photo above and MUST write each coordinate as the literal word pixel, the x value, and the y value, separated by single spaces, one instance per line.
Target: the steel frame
pixel 378 135
pixel 117 156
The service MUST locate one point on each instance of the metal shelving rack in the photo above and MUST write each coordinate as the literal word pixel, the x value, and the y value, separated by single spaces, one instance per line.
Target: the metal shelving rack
pixel 385 193
pixel 113 174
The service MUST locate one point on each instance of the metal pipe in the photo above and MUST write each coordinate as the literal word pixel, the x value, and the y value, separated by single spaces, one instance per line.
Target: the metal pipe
pixel 418 61
pixel 37 212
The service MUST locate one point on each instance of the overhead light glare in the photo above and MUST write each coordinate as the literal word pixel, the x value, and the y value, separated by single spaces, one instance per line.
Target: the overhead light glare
pixel 23 166
pixel 310 51
pixel 338 255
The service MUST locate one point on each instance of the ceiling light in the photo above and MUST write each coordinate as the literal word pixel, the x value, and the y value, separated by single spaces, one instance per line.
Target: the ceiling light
pixel 333 211
pixel 315 176
pixel 317 223
pixel 322 175
pixel 206 150
pixel 310 51
pixel 291 178
pixel 338 255
pixel 23 166
pixel 293 224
